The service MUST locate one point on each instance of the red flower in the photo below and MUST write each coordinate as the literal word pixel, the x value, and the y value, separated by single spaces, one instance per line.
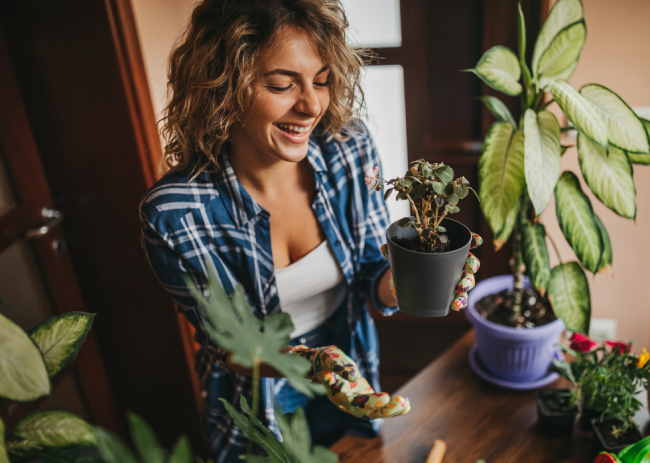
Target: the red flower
pixel 620 346
pixel 581 343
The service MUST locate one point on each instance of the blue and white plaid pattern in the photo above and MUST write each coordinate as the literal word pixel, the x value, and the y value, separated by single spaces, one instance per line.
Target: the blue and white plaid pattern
pixel 213 217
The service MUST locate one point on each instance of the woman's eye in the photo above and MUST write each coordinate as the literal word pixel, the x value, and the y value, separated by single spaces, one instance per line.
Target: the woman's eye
pixel 321 84
pixel 280 89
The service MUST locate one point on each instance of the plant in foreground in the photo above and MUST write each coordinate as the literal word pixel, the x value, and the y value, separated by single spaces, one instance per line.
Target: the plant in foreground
pixel 607 378
pixel 636 453
pixel 432 193
pixel 520 161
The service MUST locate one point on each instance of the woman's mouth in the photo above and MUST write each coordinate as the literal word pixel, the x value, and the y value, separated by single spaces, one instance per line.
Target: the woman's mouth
pixel 294 133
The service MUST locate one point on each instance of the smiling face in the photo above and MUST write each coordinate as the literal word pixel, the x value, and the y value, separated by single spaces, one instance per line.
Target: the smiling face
pixel 288 102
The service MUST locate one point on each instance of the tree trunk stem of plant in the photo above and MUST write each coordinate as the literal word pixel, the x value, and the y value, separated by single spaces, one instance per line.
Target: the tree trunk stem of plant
pixel 518 273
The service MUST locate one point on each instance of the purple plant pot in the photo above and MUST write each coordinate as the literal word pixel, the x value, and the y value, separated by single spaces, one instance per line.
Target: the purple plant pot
pixel 511 354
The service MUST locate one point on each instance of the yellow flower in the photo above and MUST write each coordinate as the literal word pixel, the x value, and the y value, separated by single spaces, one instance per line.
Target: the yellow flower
pixel 643 358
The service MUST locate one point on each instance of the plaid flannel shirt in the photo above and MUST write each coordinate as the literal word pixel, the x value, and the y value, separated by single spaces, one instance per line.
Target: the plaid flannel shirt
pixel 213 217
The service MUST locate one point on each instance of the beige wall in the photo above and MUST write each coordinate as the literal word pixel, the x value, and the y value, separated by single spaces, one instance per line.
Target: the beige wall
pixel 159 22
pixel 617 55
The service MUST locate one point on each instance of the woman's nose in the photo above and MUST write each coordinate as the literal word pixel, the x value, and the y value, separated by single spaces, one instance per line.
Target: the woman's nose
pixel 309 103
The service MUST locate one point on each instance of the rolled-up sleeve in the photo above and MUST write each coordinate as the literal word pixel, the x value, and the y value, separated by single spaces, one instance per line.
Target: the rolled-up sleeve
pixel 373 262
pixel 171 270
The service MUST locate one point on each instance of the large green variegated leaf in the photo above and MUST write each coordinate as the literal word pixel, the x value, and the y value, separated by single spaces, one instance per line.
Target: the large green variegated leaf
pixel 4 458
pixel 60 338
pixel 576 218
pixel 606 261
pixel 641 158
pixel 542 153
pixel 501 178
pixel 608 176
pixel 564 13
pixel 182 452
pixel 536 255
pixel 499 68
pixel 23 375
pixel 569 294
pixel 499 110
pixel 624 128
pixel 563 52
pixel 55 428
pixel 582 112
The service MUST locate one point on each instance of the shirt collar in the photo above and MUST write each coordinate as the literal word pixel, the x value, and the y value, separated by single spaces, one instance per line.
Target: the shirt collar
pixel 240 205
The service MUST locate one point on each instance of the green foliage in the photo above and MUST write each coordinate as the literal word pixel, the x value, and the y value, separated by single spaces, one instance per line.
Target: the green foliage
pixel 296 443
pixel 432 193
pixel 23 375
pixel 569 294
pixel 498 109
pixel 499 68
pixel 60 338
pixel 607 379
pixel 233 326
pixel 533 246
pixel 4 458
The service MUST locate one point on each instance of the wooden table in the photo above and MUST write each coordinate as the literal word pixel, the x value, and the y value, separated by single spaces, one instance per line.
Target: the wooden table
pixel 476 419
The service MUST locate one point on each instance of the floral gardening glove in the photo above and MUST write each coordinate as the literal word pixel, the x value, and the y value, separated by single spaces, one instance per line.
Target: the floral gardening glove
pixel 346 389
pixel 466 282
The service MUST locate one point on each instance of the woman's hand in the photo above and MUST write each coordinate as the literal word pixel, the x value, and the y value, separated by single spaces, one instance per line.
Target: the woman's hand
pixel 468 280
pixel 345 388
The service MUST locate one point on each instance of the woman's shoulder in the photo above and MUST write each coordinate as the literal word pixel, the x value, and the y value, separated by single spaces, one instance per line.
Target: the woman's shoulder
pixel 175 190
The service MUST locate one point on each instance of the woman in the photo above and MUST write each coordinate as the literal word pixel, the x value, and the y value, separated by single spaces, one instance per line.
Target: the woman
pixel 266 181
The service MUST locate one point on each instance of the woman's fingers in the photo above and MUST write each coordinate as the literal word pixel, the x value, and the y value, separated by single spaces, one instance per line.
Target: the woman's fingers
pixel 340 364
pixel 459 302
pixel 472 264
pixel 476 241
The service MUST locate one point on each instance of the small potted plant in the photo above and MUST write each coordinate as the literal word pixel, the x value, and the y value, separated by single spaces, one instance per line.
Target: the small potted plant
pixel 428 250
pixel 519 173
pixel 556 411
pixel 636 453
pixel 607 379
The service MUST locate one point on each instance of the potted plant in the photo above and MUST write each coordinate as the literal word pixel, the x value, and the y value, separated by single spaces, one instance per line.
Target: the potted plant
pixel 607 379
pixel 556 411
pixel 519 171
pixel 636 453
pixel 427 251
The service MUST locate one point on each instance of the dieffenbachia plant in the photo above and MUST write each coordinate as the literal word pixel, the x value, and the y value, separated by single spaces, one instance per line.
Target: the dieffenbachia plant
pixel 519 167
pixel 28 363
pixel 432 193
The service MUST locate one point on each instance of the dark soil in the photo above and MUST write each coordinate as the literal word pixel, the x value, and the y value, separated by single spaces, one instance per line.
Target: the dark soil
pixel 558 403
pixel 415 244
pixel 606 428
pixel 535 309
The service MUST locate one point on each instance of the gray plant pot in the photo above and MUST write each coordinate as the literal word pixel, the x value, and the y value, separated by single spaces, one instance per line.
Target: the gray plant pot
pixel 425 283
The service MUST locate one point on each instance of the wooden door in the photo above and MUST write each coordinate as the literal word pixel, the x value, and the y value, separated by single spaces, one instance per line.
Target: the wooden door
pixel 36 276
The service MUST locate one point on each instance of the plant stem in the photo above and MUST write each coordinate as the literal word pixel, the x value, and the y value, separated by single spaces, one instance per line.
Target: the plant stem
pixel 441 217
pixel 256 391
pixel 557 253
pixel 417 216
pixel 518 273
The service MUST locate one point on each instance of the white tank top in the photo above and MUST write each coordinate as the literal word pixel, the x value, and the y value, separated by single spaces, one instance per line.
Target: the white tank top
pixel 311 289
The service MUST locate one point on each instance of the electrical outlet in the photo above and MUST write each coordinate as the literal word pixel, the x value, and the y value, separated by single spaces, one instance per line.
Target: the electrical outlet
pixel 602 329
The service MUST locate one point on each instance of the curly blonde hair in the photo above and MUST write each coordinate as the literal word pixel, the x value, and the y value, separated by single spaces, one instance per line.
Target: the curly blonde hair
pixel 214 65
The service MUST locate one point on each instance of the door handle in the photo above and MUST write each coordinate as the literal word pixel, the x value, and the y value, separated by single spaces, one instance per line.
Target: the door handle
pixel 52 218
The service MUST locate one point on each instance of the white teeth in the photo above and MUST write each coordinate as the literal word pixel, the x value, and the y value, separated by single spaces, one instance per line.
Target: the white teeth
pixel 294 128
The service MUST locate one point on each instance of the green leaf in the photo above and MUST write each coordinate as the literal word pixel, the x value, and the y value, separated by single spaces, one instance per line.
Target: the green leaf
pixel 499 68
pixel 608 176
pixel 233 327
pixel 295 436
pixel 54 428
pixel 256 432
pixel 23 375
pixel 564 13
pixel 445 173
pixel 112 449
pixel 452 209
pixel 440 229
pixel 564 369
pixel 576 218
pixel 145 441
pixel 584 115
pixel 60 338
pixel 461 191
pixel 569 294
pixel 182 452
pixel 388 193
pixel 439 188
pixel 522 34
pixel 4 458
pixel 643 159
pixel 70 454
pixel 443 238
pixel 563 52
pixel 624 128
pixel 536 256
pixel 606 260
pixel 22 449
pixel 498 109
pixel 404 222
pixel 542 156
pixel 501 177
